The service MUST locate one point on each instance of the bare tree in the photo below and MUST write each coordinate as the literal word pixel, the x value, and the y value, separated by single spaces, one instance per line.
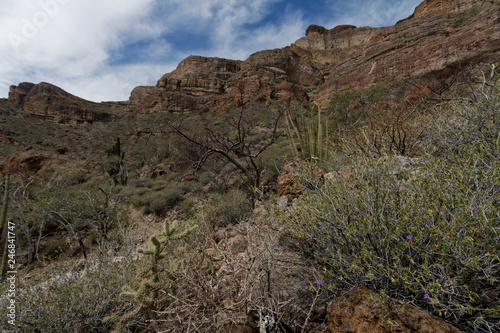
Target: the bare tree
pixel 234 143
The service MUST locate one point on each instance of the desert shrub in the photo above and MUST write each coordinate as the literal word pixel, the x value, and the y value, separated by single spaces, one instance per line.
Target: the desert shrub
pixel 427 232
pixel 64 300
pixel 73 178
pixel 188 208
pixel 223 209
pixel 53 248
pixel 74 209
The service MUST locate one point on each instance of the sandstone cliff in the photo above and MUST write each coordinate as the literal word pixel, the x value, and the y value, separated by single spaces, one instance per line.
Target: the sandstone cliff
pixel 440 38
pixel 49 102
pixel 201 84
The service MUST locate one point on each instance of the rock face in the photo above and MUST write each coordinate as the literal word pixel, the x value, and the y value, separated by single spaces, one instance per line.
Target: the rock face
pixel 23 164
pixel 49 102
pixel 441 37
pixel 360 311
pixel 202 84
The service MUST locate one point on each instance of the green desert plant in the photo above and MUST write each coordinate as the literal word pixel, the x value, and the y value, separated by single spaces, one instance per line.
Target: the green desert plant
pixel 223 209
pixel 157 283
pixel 308 138
pixel 426 231
pixel 115 164
pixel 62 299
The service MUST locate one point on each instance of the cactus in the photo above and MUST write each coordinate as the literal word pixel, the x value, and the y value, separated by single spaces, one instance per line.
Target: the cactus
pixel 3 222
pixel 311 138
pixel 114 164
pixel 155 278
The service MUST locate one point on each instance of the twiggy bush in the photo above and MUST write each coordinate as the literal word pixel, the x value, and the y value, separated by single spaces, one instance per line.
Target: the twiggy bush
pixel 427 233
pixel 64 300
pixel 224 209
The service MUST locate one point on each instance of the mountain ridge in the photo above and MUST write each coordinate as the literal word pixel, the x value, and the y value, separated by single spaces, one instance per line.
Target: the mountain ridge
pixel 437 40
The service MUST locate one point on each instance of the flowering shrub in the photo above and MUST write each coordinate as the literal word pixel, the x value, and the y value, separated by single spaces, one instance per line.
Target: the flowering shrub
pixel 426 233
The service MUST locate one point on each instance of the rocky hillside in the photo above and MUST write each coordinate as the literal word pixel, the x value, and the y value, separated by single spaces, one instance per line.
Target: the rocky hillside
pixel 440 38
pixel 49 102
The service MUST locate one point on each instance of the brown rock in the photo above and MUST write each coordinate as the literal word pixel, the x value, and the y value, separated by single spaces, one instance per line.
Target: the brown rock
pixel 286 184
pixel 25 164
pixel 189 178
pixel 360 311
pixel 340 28
pixel 297 69
pixel 237 244
pixel 49 102
pixel 140 93
pixel 441 37
pixel 316 29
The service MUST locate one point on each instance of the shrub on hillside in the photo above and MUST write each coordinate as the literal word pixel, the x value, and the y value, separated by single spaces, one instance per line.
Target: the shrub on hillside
pixel 64 300
pixel 221 210
pixel 426 233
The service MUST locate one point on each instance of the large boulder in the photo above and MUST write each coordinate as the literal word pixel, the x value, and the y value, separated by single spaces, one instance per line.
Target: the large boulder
pixel 361 310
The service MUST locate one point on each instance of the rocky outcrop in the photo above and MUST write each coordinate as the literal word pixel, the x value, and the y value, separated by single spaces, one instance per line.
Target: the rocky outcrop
pixel 202 84
pixel 441 37
pixel 23 164
pixel 360 311
pixel 49 102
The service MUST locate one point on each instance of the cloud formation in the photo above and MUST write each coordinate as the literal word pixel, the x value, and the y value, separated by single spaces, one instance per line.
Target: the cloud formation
pixel 101 49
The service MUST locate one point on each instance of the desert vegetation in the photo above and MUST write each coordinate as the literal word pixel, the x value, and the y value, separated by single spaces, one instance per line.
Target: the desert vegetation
pixel 397 196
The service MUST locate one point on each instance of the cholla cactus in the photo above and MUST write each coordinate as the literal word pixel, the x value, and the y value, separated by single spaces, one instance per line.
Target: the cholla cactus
pixel 156 277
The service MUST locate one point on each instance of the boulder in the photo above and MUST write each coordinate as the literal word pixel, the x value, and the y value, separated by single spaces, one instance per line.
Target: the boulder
pixel 361 310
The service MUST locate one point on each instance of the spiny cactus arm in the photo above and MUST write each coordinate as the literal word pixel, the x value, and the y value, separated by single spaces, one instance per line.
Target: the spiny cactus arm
pixel 184 233
pixel 170 228
pixel 128 292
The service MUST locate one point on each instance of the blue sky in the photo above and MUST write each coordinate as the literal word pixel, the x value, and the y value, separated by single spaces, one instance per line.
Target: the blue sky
pixel 101 49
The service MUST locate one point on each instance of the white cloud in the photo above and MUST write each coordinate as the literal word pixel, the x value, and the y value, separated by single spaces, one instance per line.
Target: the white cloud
pixel 373 13
pixel 102 49
pixel 67 40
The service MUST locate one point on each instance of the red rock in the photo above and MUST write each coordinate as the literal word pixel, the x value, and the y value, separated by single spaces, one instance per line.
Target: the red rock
pixel 360 311
pixel 49 102
pixel 316 29
pixel 25 164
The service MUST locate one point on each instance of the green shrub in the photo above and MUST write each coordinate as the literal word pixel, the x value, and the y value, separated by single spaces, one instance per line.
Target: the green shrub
pixel 188 208
pixel 53 248
pixel 464 17
pixel 63 300
pixel 223 209
pixel 427 233
pixel 73 178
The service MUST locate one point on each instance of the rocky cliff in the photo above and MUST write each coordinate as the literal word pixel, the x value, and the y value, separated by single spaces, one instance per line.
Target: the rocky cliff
pixel 439 39
pixel 49 102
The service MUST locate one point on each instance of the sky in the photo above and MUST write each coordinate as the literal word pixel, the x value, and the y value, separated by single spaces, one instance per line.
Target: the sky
pixel 101 49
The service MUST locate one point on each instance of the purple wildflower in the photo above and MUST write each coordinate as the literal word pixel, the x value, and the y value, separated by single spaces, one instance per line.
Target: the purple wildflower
pixel 363 212
pixel 319 282
pixel 409 237
pixel 321 227
pixel 427 298
pixel 426 225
